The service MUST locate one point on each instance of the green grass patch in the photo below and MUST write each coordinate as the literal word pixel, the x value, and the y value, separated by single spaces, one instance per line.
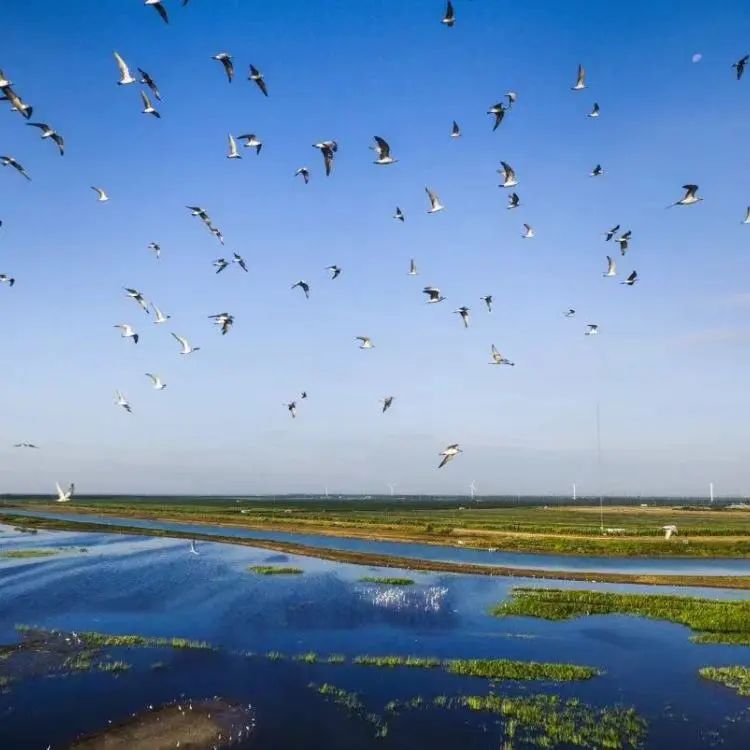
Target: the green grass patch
pixel 335 659
pixel 102 640
pixel 387 581
pixel 508 669
pixel 397 661
pixel 21 554
pixel 737 678
pixel 274 570
pixel 308 658
pixel 713 621
pixel 113 666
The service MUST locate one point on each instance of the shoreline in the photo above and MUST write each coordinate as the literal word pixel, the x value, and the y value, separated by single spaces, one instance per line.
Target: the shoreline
pixel 387 561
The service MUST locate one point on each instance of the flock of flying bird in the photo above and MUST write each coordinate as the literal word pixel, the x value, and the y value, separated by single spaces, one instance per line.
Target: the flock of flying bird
pixel 328 150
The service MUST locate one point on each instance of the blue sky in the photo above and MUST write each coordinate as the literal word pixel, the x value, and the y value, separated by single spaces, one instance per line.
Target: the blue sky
pixel 670 366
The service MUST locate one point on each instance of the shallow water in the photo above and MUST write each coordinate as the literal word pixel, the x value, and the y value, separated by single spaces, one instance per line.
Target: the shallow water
pixel 126 584
pixel 666 566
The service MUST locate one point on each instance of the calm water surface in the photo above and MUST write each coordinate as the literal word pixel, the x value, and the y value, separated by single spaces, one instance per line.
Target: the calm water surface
pixel 126 584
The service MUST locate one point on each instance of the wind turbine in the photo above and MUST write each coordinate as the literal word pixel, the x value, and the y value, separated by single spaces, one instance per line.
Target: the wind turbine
pixel 392 487
pixel 473 488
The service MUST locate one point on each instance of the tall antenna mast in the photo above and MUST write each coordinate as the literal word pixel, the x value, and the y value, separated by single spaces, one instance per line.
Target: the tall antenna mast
pixel 599 466
pixel 711 490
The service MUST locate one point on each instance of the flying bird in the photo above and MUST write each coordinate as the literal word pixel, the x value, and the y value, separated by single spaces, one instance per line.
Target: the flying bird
pixel 257 76
pixel 200 213
pixel 593 329
pixel 513 201
pixel 498 359
pixel 383 150
pixel 156 381
pixel 216 233
pixel 624 241
pixel 159 8
pixel 464 313
pixel 509 175
pixel 455 130
pixel 581 80
pixel 435 204
pixel 251 141
pixel 412 268
pixel 689 198
pixel 25 445
pixel 487 299
pixel 305 173
pixel 120 400
pixel 400 214
pixel 739 66
pixel 595 111
pixel 160 316
pixel 498 110
pixel 366 342
pixel 64 496
pixel 631 279
pixel 48 132
pixel 433 294
pixel 9 161
pixel 220 264
pixel 155 249
pixel 528 232
pixel 240 261
pixel 304 286
pixel 512 96
pixel 303 394
pixel 125 76
pixel 292 407
pixel 335 271
pixel 597 171
pixel 224 320
pixel 569 313
pixel 16 103
pixel 186 347
pixel 226 60
pixel 127 332
pixel 610 233
pixel 149 81
pixel 233 152
pixel 450 17
pixel 5 279
pixel 103 197
pixel 449 454
pixel 611 267
pixel 671 529
pixel 746 220
pixel 328 149
pixel 138 297
pixel 148 108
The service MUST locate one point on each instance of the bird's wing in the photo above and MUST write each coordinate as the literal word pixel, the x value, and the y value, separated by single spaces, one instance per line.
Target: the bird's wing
pixel 162 11
pixel 122 65
pixel 146 100
pixel 383 148
pixel 182 340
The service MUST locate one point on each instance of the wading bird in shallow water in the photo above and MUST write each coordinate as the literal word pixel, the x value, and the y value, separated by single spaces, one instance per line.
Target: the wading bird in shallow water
pixel 449 454
pixel 498 359
pixel 669 531
pixel 156 381
pixel 464 313
pixel 127 332
pixel 185 344
pixel 689 198
pixel 631 279
pixel 120 400
pixel 387 402
pixel 257 77
pixel 739 66
pixel 48 132
pixel 450 16
pixel 64 496
pixel 366 342
pixel 226 60
pixel 435 204
pixel 304 286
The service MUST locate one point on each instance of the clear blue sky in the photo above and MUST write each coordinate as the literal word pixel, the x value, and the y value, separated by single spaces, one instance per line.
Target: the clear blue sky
pixel 670 366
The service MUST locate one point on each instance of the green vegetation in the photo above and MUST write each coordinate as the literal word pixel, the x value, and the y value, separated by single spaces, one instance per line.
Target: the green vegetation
pixel 507 669
pixel 274 656
pixel 388 581
pixel 398 661
pixel 18 554
pixel 103 640
pixel 309 658
pixel 714 621
pixel 113 666
pixel 737 678
pixel 335 659
pixel 274 570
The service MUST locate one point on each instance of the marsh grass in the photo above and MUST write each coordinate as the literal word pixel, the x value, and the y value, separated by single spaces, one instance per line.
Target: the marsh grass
pixel 387 581
pixel 274 570
pixel 308 658
pixel 113 666
pixel 103 640
pixel 335 659
pixel 737 678
pixel 714 621
pixel 422 662
pixel 507 669
pixel 20 554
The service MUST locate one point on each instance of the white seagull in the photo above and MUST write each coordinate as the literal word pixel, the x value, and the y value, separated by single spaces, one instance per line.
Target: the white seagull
pixel 120 400
pixel 623 241
pixel 148 108
pixel 513 201
pixel 366 342
pixel 251 141
pixel 581 80
pixel 399 215
pixel 103 197
pixel 689 198
pixel 125 76
pixel 433 294
pixel 9 161
pixel 303 172
pixel 5 279
pixel 156 381
pixel 226 60
pixel 449 454
pixel 48 132
pixel 435 204
pixel 255 75
pixel 412 268
pixel 509 175
pixel 746 220
pixel 138 297
pixel 528 232
pixel 159 8
pixel 455 130
pixel 595 111
pixel 611 267
pixel 498 359
pixel 186 347
pixel 669 531
pixel 63 496
pixel 450 16
pixel 155 249
pixel 233 152
pixel 487 299
pixel 127 332
pixel 383 150
pixel 160 316
pixel 192 548
pixel 464 313
pixel 630 281
pixel 327 149
pixel 498 110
